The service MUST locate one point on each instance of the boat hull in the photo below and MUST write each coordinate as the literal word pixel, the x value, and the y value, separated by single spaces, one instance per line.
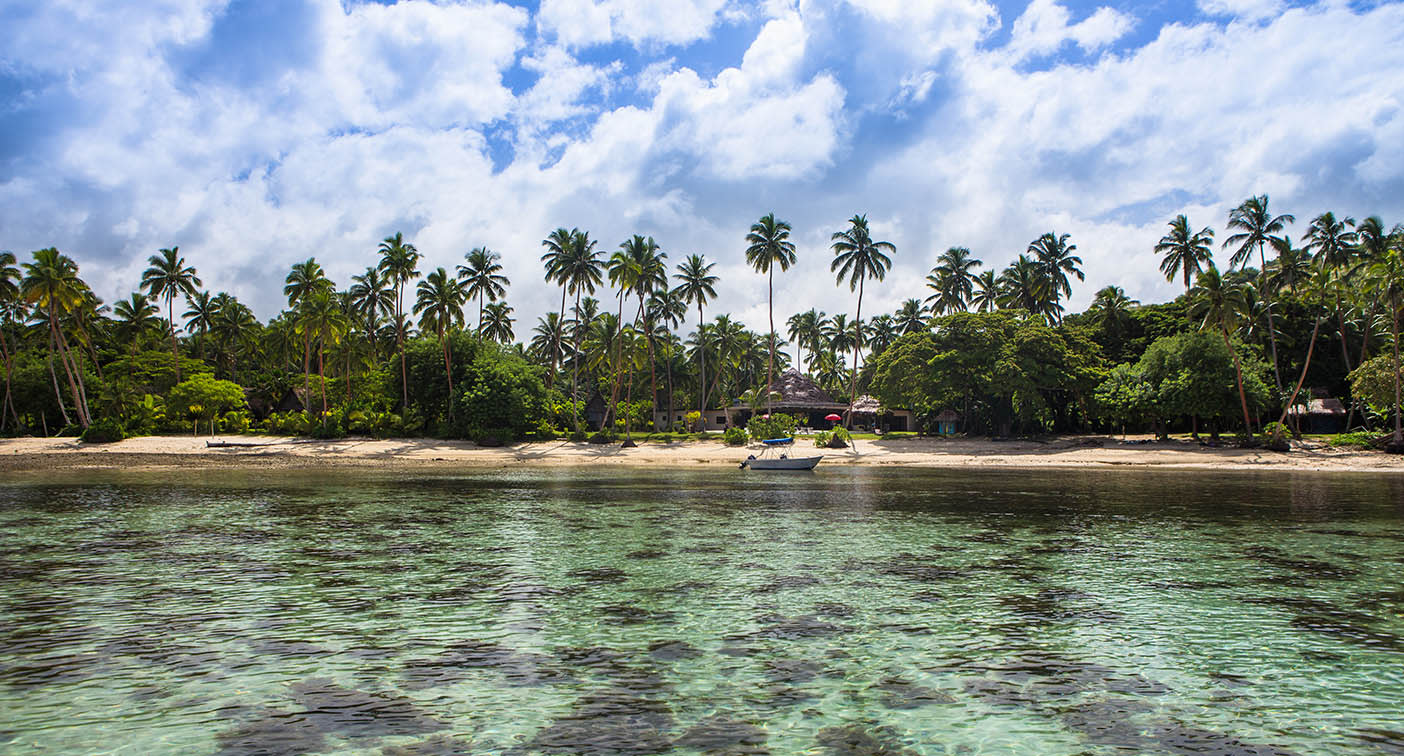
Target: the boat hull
pixel 790 463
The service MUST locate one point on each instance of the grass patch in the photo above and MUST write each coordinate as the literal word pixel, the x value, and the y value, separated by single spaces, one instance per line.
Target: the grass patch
pixel 1356 440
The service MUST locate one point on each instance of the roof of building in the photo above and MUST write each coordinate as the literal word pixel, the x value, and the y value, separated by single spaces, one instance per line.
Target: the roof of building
pixel 799 391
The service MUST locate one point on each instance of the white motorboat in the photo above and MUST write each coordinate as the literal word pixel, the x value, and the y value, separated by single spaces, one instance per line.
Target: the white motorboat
pixel 782 461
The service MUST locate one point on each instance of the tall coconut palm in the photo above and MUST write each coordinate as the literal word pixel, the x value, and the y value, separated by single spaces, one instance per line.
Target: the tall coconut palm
pixel 136 319
pixel 51 285
pixel 1185 252
pixel 910 317
pixel 400 261
pixel 167 278
pixel 559 245
pixel 697 285
pixel 857 257
pixel 987 292
pixel 582 271
pixel 1316 286
pixel 1373 243
pixel 882 331
pixel 1218 304
pixel 952 281
pixel 769 246
pixel 1291 268
pixel 305 280
pixel 1112 307
pixel 1024 286
pixel 651 277
pixel 667 312
pixel 439 304
pixel 482 277
pixel 1256 227
pixel 545 338
pixel 497 324
pixel 1057 262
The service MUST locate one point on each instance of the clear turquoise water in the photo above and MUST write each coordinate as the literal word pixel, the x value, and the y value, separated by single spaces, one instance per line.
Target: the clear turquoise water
pixel 842 612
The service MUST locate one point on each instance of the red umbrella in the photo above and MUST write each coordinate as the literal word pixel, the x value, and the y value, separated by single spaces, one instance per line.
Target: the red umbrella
pixel 833 418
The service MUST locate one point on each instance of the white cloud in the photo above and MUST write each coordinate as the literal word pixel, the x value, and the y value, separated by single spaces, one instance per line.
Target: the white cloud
pixel 1251 10
pixel 1043 28
pixel 580 23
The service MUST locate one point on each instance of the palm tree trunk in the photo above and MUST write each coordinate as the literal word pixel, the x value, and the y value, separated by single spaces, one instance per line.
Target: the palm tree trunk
pixel 307 367
pixel 575 365
pixel 1238 374
pixel 1272 331
pixel 668 363
pixel 400 345
pixel 1311 347
pixel 63 410
pixel 1398 407
pixel 556 352
pixel 9 370
pixel 652 380
pixel 448 370
pixel 702 370
pixel 170 317
pixel 857 347
pixel 480 317
pixel 770 362
pixel 68 371
pixel 348 367
pixel 1365 337
pixel 611 408
pixel 322 374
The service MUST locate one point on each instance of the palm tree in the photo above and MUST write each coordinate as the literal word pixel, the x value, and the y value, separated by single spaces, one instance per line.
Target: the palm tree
pixel 770 245
pixel 1291 268
pixel 806 329
pixel 1184 252
pixel 482 277
pixel 1256 228
pixel 439 305
pixel 667 310
pixel 200 316
pixel 321 318
pixel 910 317
pixel 1316 291
pixel 1388 270
pixel 52 286
pixel 136 317
pixel 582 272
pixel 651 275
pixel 1056 262
pixel 695 287
pixel 987 292
pixel 304 281
pixel 1113 307
pixel 1333 248
pixel 167 277
pixel 400 261
pixel 498 323
pixel 559 246
pixel 1219 303
pixel 952 281
pixel 372 296
pixel 1024 286
pixel 840 337
pixel 9 299
pixel 546 337
pixel 1373 243
pixel 857 257
pixel 882 331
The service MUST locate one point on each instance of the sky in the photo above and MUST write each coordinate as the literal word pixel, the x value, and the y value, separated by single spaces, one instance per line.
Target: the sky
pixel 257 133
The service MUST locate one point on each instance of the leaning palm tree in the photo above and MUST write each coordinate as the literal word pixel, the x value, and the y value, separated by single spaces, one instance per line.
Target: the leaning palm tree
pixel 51 285
pixel 1256 228
pixel 1218 304
pixel 400 261
pixel 167 277
pixel 559 246
pixel 1056 262
pixel 497 324
pixel 1185 252
pixel 482 277
pixel 439 304
pixel 770 246
pixel 952 281
pixel 857 257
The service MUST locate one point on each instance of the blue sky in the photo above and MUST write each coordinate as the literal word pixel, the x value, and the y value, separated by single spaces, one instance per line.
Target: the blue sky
pixel 255 133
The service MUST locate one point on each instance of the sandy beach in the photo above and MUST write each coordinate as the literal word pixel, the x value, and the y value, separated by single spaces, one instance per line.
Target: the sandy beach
pixel 265 453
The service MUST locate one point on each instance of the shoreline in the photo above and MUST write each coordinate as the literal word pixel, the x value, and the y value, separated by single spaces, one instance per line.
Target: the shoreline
pixel 158 453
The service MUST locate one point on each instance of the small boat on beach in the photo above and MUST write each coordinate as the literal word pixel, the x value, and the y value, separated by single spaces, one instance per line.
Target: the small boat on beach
pixel 782 461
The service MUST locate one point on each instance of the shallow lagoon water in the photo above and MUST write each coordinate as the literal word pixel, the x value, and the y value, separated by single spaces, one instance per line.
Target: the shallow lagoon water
pixel 849 611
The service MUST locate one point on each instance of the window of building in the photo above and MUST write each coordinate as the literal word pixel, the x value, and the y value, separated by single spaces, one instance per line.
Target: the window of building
pixel 721 419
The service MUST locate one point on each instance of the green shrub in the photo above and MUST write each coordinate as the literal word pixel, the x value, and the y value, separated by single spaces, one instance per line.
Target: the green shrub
pixel 734 436
pixel 329 429
pixel 1357 440
pixel 103 431
pixel 602 437
pixel 778 425
pixel 544 431
pixel 579 435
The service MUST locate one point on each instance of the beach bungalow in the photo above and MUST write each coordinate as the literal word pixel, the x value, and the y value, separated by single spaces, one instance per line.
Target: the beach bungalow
pixel 1323 414
pixel 946 423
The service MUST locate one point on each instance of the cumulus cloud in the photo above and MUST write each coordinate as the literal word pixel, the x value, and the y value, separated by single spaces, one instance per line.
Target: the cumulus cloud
pixel 580 23
pixel 1043 28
